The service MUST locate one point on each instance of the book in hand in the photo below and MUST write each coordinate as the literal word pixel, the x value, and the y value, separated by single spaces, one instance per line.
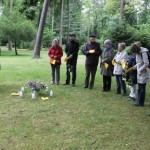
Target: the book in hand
pixel 53 61
pixel 91 51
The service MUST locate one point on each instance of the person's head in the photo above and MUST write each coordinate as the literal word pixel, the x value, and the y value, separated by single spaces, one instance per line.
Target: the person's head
pixel 55 43
pixel 92 38
pixel 138 43
pixel 107 43
pixel 72 37
pixel 121 46
pixel 135 49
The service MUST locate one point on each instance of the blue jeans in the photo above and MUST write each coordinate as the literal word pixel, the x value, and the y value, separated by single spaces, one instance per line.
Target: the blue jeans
pixel 141 94
pixel 120 84
pixel 55 72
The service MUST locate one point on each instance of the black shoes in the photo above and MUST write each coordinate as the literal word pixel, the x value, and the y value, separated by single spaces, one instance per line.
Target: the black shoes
pixel 124 94
pixel 73 85
pixel 66 84
pixel 106 90
pixel 118 93
pixel 85 87
pixel 138 105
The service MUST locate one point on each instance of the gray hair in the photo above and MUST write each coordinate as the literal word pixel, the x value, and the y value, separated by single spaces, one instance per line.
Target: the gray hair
pixel 107 41
pixel 54 41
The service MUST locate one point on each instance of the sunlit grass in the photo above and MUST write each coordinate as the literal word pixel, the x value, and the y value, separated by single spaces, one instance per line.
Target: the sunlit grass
pixel 73 119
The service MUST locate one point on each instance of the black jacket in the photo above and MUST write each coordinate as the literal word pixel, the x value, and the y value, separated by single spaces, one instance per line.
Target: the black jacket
pixel 92 59
pixel 72 48
pixel 132 76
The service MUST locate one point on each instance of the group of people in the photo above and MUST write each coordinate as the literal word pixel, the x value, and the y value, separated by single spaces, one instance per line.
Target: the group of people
pixel 133 69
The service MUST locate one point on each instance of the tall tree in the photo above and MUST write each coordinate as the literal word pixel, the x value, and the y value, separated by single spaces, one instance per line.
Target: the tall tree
pixel 9 40
pixel 61 22
pixel 121 9
pixel 68 3
pixel 38 42
pixel 145 11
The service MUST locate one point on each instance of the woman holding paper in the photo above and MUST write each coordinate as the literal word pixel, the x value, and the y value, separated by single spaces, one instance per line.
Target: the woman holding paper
pixel 106 65
pixel 55 53
pixel 119 65
pixel 142 63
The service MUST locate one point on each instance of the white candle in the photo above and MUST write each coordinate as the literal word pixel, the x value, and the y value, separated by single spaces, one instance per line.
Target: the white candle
pixel 51 93
pixel 47 89
pixel 21 94
pixel 33 96
pixel 22 89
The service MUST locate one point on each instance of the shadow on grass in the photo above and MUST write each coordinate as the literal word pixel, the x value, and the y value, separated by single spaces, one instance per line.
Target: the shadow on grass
pixel 22 52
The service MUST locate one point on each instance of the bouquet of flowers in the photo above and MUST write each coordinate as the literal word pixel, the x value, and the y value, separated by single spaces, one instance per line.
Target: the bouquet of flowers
pixel 36 86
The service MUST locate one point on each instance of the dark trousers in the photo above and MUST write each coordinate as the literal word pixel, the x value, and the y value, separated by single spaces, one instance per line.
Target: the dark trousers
pixel 90 71
pixel 55 72
pixel 141 94
pixel 120 84
pixel 71 68
pixel 106 83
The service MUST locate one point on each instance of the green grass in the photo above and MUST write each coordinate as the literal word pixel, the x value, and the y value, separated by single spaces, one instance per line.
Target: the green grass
pixel 74 119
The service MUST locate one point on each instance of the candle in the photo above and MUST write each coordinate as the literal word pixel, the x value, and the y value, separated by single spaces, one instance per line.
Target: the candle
pixel 51 93
pixel 21 94
pixel 22 89
pixel 47 89
pixel 33 96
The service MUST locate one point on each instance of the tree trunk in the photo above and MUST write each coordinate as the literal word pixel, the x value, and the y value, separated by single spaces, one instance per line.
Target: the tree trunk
pixel 9 45
pixel 121 9
pixel 89 23
pixel 145 11
pixel 52 24
pixel 38 42
pixel 11 10
pixel 16 49
pixel 68 2
pixel 61 22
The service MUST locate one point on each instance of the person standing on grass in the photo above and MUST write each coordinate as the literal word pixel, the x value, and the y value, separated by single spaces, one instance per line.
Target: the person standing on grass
pixel 142 63
pixel 120 57
pixel 106 59
pixel 132 77
pixel 71 50
pixel 92 51
pixel 55 53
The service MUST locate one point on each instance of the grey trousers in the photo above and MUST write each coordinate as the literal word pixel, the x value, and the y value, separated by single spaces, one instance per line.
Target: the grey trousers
pixel 90 71
pixel 55 73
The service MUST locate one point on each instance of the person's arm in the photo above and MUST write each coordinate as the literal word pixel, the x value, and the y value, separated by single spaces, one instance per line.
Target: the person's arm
pixel 67 49
pixel 115 57
pixel 50 54
pixel 76 50
pixel 85 51
pixel 60 53
pixel 145 62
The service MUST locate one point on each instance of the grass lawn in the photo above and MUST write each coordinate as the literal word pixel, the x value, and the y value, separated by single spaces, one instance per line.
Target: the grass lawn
pixel 74 119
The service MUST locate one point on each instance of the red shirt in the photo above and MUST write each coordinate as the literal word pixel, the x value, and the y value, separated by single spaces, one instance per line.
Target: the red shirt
pixel 56 52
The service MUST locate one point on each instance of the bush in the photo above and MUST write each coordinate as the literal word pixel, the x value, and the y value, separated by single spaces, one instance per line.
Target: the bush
pixel 142 34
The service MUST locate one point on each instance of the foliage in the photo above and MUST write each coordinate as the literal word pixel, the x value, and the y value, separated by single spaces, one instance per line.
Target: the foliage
pixel 142 34
pixel 121 33
pixel 16 27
